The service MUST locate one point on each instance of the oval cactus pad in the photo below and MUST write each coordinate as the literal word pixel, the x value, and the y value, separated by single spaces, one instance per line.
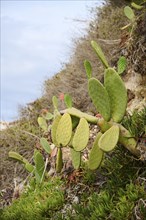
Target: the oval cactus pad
pixel 117 94
pixel 59 161
pixel 64 130
pixel 76 158
pixel 81 136
pixel 96 154
pixel 54 129
pixel 99 97
pixel 109 139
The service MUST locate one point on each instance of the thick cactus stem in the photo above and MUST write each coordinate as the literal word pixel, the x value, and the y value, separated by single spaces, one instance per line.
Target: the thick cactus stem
pixel 77 113
pixel 100 98
pixel 96 154
pixel 126 139
pixel 117 93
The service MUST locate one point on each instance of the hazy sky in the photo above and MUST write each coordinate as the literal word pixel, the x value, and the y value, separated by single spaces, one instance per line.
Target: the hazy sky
pixel 36 38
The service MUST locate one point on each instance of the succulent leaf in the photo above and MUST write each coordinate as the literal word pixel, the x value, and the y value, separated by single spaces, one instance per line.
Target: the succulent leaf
pixel 64 130
pixel 55 102
pixel 76 158
pixel 44 143
pixel 129 13
pixel 54 129
pixel 136 6
pixel 117 93
pixel 48 116
pixel 109 139
pixel 88 69
pixel 59 161
pixel 81 136
pixel 29 167
pixel 39 166
pixel 18 157
pixel 68 100
pixel 42 123
pixel 99 97
pixel 96 154
pixel 122 63
pixel 100 53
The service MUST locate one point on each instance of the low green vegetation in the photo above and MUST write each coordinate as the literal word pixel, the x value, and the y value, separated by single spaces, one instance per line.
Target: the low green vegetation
pixel 37 203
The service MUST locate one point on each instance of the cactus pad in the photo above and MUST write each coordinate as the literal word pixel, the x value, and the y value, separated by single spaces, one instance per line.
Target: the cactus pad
pixel 109 139
pixel 44 143
pixel 99 98
pixel 96 154
pixel 76 158
pixel 122 63
pixel 59 161
pixel 39 166
pixel 42 123
pixel 99 53
pixel 29 167
pixel 18 157
pixel 54 129
pixel 88 68
pixel 64 130
pixel 117 94
pixel 81 136
pixel 68 101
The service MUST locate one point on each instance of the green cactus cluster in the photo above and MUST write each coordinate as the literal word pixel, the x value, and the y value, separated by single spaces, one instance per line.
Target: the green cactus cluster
pixel 70 127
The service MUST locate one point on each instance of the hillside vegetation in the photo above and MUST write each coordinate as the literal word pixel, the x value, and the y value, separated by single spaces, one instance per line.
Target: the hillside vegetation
pixel 117 190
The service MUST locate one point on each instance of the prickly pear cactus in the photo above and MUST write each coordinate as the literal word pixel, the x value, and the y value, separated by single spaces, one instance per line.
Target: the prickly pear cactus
pixel 96 154
pixel 39 166
pixel 42 123
pixel 54 129
pixel 64 130
pixel 99 53
pixel 81 136
pixel 18 157
pixel 109 139
pixel 59 161
pixel 99 97
pixel 122 63
pixel 88 69
pixel 29 167
pixel 76 158
pixel 117 94
pixel 44 143
pixel 77 113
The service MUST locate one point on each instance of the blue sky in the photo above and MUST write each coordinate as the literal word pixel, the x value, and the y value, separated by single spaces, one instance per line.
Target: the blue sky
pixel 36 38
